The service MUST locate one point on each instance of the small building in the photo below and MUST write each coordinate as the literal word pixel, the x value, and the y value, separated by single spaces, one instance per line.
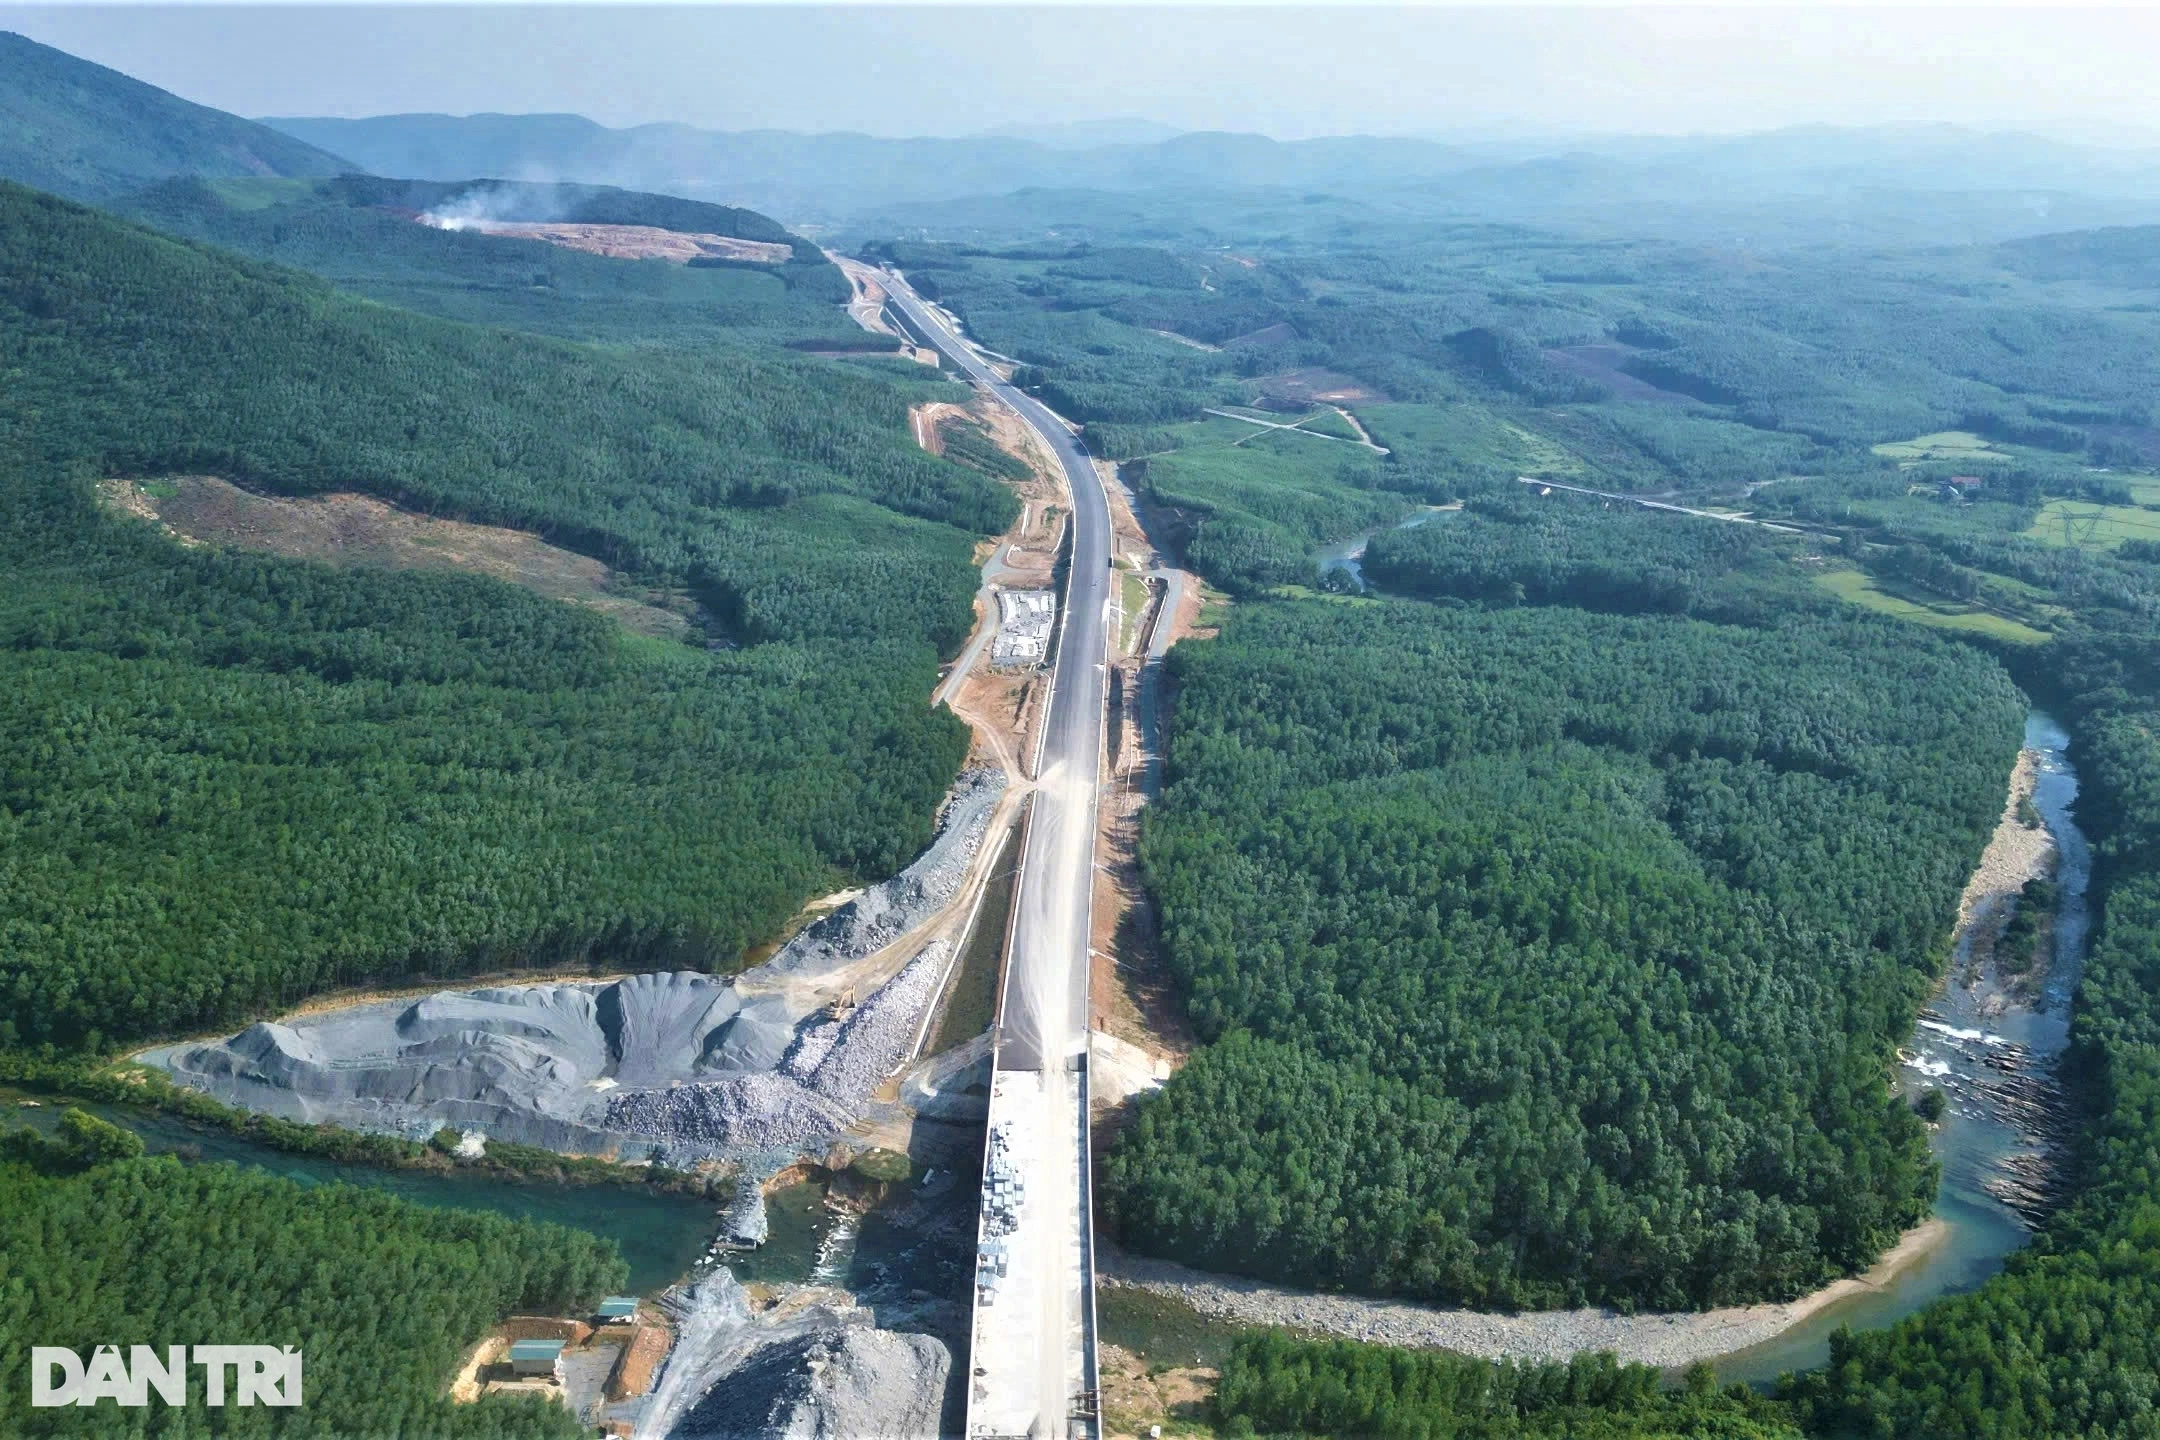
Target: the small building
pixel 535 1357
pixel 617 1307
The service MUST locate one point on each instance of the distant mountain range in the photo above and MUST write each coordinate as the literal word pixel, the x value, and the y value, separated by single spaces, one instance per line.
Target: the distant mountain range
pixel 1913 184
pixel 79 129
pixel 84 131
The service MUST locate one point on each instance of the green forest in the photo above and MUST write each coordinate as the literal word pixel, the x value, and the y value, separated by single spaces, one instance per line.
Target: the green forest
pixel 784 490
pixel 1273 1384
pixel 363 236
pixel 1965 442
pixel 1547 913
pixel 1549 957
pixel 99 1246
pixel 234 780
pixel 2067 1341
pixel 1510 549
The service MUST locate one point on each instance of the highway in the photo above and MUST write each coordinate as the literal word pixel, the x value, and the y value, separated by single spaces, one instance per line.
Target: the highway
pixel 1034 1340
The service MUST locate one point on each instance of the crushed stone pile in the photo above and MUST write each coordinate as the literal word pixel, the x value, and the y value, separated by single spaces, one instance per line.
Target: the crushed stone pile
pixel 817 1086
pixel 679 1066
pixel 754 1112
pixel 848 1383
pixel 745 1221
pixel 881 915
pixel 846 1065
pixel 810 1366
pixel 528 1063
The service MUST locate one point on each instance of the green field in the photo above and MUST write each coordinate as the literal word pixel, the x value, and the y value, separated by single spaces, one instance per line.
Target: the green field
pixel 1468 436
pixel 2080 522
pixel 1864 591
pixel 1262 507
pixel 1327 422
pixel 1942 445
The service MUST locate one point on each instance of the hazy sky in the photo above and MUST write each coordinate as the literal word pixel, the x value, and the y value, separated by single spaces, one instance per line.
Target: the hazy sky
pixel 1285 71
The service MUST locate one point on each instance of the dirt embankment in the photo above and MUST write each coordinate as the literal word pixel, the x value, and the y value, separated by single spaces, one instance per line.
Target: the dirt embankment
pixel 867 307
pixel 1137 1394
pixel 925 419
pixel 360 530
pixel 1142 1034
pixel 1003 707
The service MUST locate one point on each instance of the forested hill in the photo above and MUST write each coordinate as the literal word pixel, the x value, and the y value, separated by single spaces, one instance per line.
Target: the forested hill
pixel 1549 957
pixel 232 781
pixel 79 129
pixel 363 235
pixel 785 490
pixel 524 200
pixel 1510 549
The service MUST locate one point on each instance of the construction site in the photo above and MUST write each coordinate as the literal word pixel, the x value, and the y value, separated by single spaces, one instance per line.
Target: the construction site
pixel 822 1054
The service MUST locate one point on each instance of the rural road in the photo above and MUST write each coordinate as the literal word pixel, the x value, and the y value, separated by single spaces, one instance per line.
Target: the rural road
pixel 1034 1337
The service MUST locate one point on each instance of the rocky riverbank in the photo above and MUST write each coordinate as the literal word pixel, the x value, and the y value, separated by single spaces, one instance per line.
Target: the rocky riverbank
pixel 1664 1340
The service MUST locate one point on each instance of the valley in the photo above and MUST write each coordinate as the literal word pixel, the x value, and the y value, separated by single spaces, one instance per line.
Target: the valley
pixel 1206 785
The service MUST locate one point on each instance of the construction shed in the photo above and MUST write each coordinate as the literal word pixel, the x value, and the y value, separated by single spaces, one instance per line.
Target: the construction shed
pixel 617 1307
pixel 535 1357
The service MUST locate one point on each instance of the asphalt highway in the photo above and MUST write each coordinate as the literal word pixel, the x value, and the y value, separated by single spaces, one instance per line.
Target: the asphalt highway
pixel 1045 1002
pixel 1033 1336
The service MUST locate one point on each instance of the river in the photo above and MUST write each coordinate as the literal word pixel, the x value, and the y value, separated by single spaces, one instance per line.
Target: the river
pixel 661 1235
pixel 1348 555
pixel 1976 1136
pixel 1967 1024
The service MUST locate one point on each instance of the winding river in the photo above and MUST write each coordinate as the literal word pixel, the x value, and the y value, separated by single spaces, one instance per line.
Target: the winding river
pixel 1966 1027
pixel 1977 1042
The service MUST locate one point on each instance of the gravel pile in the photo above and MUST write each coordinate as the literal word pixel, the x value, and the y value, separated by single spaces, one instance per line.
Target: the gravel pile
pixel 752 1112
pixel 810 1366
pixel 882 914
pixel 819 1085
pixel 687 1064
pixel 526 1063
pixel 870 1044
pixel 851 1383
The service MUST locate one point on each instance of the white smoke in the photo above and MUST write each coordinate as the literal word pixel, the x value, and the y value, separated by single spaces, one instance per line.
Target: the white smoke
pixel 480 208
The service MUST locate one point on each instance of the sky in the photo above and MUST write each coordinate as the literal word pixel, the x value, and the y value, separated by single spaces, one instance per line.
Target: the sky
pixel 1289 71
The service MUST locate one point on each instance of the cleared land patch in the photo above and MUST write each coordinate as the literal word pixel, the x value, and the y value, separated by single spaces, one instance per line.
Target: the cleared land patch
pixel 2081 522
pixel 626 242
pixel 1942 445
pixel 359 530
pixel 1313 385
pixel 1602 365
pixel 1466 435
pixel 1863 590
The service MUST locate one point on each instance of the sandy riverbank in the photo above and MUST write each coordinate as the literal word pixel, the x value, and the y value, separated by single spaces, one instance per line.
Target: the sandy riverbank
pixel 1665 1340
